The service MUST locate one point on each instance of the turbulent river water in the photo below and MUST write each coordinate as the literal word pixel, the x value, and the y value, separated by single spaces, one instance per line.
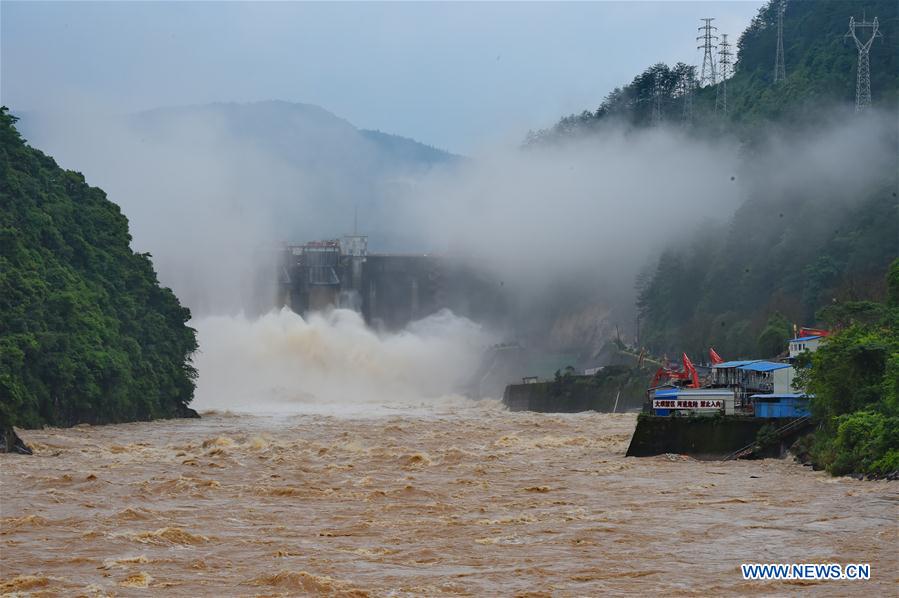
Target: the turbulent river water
pixel 455 498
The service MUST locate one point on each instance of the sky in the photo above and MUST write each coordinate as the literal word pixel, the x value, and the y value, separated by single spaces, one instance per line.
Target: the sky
pixel 454 75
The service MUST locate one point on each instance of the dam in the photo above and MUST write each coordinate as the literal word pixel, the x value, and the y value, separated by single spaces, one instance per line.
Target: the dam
pixel 388 289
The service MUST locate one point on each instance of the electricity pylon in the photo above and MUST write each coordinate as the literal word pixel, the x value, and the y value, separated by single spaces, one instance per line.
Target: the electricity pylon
pixel 707 75
pixel 780 72
pixel 724 62
pixel 863 79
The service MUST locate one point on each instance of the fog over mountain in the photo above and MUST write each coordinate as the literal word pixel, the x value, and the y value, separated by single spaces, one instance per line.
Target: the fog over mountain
pixel 215 186
pixel 211 190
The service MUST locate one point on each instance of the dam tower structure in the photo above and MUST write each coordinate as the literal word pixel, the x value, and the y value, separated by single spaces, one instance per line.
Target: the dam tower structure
pixel 355 249
pixel 388 290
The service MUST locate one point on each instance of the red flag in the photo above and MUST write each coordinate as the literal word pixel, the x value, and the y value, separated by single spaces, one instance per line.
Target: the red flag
pixel 688 365
pixel 713 355
pixel 813 332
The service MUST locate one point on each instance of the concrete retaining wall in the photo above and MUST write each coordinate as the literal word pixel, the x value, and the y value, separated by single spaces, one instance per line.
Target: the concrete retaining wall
pixel 703 437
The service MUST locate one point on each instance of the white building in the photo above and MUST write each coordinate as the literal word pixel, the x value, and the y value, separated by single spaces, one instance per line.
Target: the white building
pixel 804 343
pixel 783 380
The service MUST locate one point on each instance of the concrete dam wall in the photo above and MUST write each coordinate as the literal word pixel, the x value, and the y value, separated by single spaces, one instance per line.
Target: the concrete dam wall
pixel 389 290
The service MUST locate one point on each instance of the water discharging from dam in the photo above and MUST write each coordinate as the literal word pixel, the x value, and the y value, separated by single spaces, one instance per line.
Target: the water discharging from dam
pixel 332 362
pixel 374 479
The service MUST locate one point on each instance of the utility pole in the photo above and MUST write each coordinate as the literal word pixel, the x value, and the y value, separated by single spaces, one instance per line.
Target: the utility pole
pixel 780 72
pixel 724 61
pixel 863 80
pixel 707 75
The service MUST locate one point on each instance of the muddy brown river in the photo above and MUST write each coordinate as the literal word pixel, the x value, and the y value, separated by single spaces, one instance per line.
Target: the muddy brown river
pixel 461 499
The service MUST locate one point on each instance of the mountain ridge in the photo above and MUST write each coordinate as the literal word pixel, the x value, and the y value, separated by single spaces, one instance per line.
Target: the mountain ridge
pixel 820 74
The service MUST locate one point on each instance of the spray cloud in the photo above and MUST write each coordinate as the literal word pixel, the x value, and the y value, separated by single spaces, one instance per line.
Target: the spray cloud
pixel 564 228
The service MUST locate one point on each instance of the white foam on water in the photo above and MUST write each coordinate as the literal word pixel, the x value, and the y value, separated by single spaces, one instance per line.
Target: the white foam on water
pixel 331 362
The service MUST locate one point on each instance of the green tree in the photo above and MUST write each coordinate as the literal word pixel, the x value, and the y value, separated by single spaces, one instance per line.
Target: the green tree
pixel 86 332
pixel 854 381
pixel 820 72
pixel 773 339
pixel 893 285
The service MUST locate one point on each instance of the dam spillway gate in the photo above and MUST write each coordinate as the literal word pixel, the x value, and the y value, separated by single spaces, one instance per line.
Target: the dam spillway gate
pixel 388 289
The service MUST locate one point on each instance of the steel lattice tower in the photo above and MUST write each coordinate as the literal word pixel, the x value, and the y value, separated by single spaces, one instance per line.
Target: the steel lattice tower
pixel 707 75
pixel 724 62
pixel 780 72
pixel 863 80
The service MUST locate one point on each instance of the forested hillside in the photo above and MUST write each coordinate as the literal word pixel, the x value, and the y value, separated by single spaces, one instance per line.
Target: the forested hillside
pixel 820 66
pixel 86 332
pixel 854 380
pixel 820 63
pixel 797 251
pixel 787 251
pixel 740 289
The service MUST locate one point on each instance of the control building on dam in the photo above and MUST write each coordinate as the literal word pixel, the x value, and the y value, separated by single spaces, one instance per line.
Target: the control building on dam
pixel 388 289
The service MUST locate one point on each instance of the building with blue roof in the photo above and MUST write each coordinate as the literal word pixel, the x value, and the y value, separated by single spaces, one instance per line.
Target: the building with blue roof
pixel 752 376
pixel 749 386
pixel 727 374
pixel 804 343
pixel 734 364
pixel 764 366
pixel 759 376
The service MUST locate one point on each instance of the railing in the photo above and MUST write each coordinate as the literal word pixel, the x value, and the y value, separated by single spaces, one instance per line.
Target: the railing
pixel 779 433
